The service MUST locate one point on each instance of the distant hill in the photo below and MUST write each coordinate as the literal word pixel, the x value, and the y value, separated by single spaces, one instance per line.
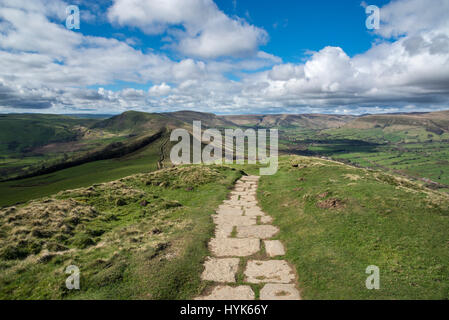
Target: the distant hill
pixel 303 121
pixel 33 143
pixel 436 122
pixel 137 122
pixel 20 132
pixel 209 120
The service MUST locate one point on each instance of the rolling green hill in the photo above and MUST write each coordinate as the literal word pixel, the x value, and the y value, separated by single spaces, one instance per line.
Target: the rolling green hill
pixel 136 123
pixel 299 122
pixel 208 120
pixel 28 141
pixel 61 142
pixel 414 145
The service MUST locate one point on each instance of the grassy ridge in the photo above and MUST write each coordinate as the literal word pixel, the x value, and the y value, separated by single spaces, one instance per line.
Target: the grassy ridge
pixel 336 220
pixel 142 237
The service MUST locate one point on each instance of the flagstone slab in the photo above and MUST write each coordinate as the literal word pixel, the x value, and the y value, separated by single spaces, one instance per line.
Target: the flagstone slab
pixel 254 211
pixel 278 291
pixel 223 231
pixel 271 271
pixel 230 293
pixel 258 231
pixel 248 204
pixel 220 270
pixel 274 248
pixel 234 220
pixel 241 203
pixel 233 203
pixel 233 247
pixel 266 219
pixel 225 210
pixel 240 193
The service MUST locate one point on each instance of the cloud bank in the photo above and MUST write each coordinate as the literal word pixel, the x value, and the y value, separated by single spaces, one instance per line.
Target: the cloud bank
pixel 215 63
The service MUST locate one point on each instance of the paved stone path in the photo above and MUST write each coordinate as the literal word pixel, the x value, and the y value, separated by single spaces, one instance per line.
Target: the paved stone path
pixel 241 241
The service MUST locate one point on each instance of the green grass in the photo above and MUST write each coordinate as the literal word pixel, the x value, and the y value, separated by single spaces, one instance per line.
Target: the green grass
pixel 379 220
pixel 143 237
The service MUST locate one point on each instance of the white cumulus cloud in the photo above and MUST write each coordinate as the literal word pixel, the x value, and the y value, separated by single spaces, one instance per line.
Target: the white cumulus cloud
pixel 209 33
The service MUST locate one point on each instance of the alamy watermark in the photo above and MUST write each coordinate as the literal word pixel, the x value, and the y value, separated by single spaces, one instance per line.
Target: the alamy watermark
pixel 373 280
pixel 73 17
pixel 72 281
pixel 238 145
pixel 373 19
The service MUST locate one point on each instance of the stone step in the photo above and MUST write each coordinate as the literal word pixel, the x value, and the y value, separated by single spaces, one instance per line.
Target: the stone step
pixel 233 247
pixel 234 220
pixel 230 293
pixel 264 231
pixel 274 248
pixel 220 270
pixel 279 291
pixel 229 210
pixel 223 231
pixel 271 271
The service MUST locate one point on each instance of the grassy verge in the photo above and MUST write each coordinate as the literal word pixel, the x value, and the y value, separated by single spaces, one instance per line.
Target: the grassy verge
pixel 336 220
pixel 140 237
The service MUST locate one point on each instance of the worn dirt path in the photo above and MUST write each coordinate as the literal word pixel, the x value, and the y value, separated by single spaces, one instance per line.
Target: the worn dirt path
pixel 241 249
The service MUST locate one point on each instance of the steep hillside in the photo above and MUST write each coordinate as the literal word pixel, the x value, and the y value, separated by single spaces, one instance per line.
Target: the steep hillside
pixel 86 140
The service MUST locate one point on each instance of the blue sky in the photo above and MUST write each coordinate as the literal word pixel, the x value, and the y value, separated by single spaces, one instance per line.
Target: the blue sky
pixel 298 26
pixel 223 56
pixel 294 27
